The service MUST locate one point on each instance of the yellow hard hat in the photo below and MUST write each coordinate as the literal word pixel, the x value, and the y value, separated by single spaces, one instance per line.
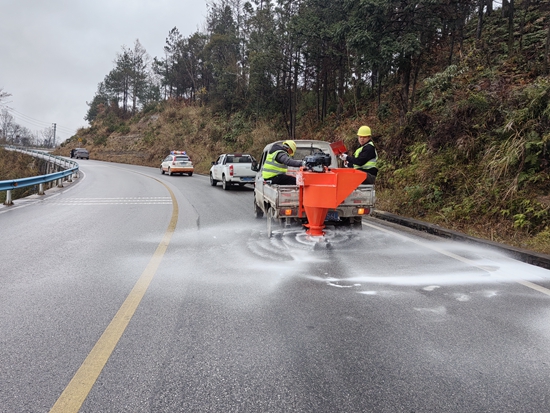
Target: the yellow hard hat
pixel 290 144
pixel 363 131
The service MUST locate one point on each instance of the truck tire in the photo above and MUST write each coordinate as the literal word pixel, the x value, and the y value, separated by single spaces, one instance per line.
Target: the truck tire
pixel 225 185
pixel 356 223
pixel 213 182
pixel 258 213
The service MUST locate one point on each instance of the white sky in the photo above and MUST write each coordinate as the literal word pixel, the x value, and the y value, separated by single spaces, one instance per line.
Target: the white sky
pixel 54 53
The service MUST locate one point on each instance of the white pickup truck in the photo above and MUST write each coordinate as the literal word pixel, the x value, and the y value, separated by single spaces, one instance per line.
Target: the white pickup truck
pixel 232 168
pixel 280 203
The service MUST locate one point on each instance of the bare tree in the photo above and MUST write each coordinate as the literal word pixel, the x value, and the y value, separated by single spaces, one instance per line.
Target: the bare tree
pixel 6 125
pixel 48 138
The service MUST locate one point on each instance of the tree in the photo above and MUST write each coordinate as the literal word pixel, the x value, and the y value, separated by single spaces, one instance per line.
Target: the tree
pixel 263 50
pixel 48 137
pixel 98 104
pixel 7 126
pixel 223 58
pixel 130 82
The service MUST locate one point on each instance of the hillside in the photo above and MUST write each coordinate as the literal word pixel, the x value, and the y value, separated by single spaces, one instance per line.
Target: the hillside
pixel 471 154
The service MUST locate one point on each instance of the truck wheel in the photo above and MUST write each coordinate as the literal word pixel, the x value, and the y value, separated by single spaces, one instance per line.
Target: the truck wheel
pixel 213 182
pixel 225 185
pixel 258 213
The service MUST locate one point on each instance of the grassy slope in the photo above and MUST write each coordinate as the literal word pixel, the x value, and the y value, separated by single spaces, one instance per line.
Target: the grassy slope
pixel 15 165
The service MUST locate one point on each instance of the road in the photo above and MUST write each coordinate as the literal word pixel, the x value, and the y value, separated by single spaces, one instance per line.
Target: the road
pixel 132 291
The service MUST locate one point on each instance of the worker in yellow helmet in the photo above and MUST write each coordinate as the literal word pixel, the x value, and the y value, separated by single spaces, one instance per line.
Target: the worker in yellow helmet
pixel 277 162
pixel 365 157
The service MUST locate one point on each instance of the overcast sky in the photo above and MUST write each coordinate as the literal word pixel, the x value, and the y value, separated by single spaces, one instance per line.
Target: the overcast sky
pixel 54 53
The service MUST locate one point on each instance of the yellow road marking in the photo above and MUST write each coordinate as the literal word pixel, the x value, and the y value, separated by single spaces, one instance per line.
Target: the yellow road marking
pixel 82 382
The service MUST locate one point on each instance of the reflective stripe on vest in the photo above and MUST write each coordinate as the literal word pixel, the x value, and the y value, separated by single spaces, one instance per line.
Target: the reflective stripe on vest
pixel 271 167
pixel 371 163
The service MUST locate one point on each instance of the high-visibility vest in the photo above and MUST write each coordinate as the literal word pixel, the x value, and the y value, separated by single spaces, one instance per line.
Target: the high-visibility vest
pixel 271 167
pixel 371 163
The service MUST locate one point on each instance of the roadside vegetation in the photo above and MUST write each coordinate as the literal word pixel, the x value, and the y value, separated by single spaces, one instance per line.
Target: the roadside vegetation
pixel 457 95
pixel 14 165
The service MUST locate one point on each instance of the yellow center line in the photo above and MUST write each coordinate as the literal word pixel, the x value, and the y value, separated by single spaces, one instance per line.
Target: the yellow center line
pixel 82 382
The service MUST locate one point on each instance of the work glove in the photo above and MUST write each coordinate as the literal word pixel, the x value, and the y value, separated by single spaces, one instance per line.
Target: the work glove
pixel 343 157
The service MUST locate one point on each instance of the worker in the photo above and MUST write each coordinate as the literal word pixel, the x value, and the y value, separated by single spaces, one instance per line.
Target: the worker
pixel 277 162
pixel 365 157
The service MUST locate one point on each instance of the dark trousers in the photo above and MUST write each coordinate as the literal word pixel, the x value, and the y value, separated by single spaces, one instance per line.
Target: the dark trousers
pixel 370 179
pixel 283 179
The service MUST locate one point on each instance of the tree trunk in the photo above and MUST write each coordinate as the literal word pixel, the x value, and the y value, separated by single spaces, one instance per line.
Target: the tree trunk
pixel 405 85
pixel 481 4
pixel 546 50
pixel 511 27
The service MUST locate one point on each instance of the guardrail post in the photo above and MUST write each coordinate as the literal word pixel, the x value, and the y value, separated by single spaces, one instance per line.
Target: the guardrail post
pixel 41 189
pixel 8 198
pixel 60 183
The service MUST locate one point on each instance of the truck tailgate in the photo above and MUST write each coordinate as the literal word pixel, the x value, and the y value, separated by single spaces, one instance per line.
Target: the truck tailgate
pixel 243 170
pixel 363 195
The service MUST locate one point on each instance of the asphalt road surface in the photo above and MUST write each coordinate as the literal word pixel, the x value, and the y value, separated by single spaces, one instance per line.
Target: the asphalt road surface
pixel 132 291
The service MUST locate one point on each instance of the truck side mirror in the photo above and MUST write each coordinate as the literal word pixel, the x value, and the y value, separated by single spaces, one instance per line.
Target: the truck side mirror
pixel 254 166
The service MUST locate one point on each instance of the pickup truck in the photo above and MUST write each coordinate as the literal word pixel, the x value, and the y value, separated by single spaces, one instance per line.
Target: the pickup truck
pixel 280 203
pixel 232 168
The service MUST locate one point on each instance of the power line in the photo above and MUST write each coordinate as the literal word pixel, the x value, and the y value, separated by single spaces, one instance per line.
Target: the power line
pixel 35 122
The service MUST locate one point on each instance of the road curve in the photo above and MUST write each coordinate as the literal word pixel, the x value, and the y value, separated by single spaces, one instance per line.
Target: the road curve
pixel 132 291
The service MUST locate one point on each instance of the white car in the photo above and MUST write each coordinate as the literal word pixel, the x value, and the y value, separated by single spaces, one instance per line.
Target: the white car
pixel 232 168
pixel 178 162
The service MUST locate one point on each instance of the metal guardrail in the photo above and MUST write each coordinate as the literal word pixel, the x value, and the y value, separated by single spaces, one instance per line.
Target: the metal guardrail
pixel 69 167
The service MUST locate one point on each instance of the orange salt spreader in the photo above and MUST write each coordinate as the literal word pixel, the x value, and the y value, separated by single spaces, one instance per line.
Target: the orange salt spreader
pixel 322 188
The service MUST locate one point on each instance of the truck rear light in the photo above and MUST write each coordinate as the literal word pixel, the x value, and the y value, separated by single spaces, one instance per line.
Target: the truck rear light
pixel 230 170
pixel 287 212
pixel 363 211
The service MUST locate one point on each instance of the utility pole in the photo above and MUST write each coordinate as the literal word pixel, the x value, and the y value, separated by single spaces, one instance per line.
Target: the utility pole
pixel 54 125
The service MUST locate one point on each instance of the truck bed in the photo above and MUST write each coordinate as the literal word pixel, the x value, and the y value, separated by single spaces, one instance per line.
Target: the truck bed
pixel 287 196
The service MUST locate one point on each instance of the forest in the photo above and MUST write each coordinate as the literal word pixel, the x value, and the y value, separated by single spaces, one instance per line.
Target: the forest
pixel 290 58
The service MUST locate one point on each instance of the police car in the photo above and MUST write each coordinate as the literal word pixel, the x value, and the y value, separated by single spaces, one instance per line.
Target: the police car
pixel 178 162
